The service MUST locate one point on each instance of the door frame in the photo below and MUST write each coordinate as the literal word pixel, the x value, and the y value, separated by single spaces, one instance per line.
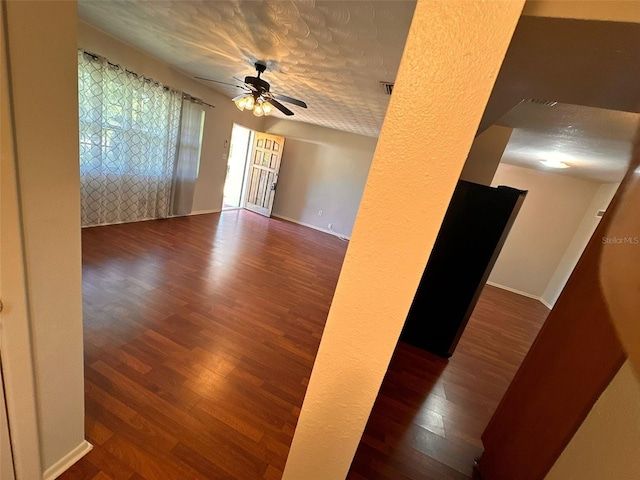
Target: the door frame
pixel 15 328
pixel 252 134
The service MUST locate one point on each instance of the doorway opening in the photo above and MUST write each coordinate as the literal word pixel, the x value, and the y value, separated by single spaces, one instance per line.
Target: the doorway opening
pixel 239 150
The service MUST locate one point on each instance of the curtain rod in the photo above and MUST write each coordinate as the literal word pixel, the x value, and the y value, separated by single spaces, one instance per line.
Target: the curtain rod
pixel 185 96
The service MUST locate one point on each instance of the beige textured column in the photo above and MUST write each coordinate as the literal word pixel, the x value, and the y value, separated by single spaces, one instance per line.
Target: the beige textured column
pixel 452 57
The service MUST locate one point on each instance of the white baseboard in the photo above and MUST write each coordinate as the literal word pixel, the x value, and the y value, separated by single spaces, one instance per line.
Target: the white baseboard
pixel 330 232
pixel 520 292
pixel 62 465
pixel 202 212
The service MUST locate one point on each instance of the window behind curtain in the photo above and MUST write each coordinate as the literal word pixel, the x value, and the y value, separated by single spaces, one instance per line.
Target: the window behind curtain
pixel 128 135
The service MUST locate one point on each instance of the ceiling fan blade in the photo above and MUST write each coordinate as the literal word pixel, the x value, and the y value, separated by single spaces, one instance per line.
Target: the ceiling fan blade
pixel 294 101
pixel 242 95
pixel 246 85
pixel 280 107
pixel 223 83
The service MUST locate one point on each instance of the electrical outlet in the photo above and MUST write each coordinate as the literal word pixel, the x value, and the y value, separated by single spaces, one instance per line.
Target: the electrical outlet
pixel 320 212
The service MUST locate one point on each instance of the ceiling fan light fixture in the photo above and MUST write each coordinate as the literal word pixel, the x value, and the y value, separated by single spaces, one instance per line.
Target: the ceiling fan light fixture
pixel 259 106
pixel 240 104
pixel 245 103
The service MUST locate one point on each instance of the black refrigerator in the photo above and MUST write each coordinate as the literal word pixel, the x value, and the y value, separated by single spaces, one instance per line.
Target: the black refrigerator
pixel 472 234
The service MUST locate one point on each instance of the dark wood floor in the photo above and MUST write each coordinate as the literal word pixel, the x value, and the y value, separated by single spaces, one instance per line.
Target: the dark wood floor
pixel 430 413
pixel 200 335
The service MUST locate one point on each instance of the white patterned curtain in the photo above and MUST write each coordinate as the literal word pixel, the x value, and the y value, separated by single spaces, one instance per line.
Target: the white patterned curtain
pixel 187 158
pixel 128 136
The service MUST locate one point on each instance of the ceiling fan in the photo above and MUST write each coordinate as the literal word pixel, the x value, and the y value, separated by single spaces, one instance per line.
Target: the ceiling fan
pixel 257 96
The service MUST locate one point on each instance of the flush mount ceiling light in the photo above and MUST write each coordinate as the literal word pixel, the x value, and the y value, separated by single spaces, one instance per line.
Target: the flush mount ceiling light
pixel 555 159
pixel 554 164
pixel 257 96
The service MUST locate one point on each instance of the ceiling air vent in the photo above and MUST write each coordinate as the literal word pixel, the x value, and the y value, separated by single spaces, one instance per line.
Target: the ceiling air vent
pixel 387 87
pixel 547 103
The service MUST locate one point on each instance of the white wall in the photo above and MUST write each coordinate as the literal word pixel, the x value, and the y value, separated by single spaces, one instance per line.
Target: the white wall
pixel 485 155
pixel 574 250
pixel 607 444
pixel 44 73
pixel 322 169
pixel 218 121
pixel 552 212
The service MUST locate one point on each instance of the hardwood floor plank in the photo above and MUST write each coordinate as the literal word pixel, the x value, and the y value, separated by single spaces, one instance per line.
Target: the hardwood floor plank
pixel 260 451
pixel 200 336
pixel 272 473
pixel 463 391
pixel 102 476
pixel 96 432
pixel 232 418
pixel 109 465
pixel 83 470
pixel 149 465
pixel 200 463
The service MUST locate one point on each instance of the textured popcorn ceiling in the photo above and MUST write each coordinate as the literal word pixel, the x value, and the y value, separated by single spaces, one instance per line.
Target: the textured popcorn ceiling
pixel 595 142
pixel 332 54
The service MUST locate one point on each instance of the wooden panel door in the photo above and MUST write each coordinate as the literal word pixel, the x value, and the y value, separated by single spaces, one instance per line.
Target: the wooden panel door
pixel 263 173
